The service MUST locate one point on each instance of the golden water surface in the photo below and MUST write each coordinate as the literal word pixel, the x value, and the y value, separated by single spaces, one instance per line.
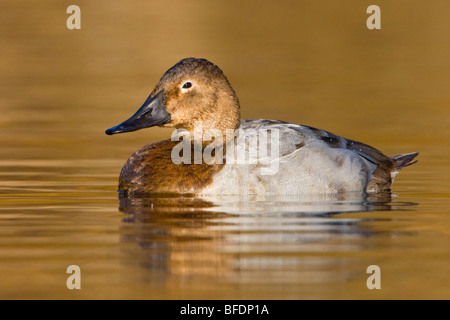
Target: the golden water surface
pixel 307 62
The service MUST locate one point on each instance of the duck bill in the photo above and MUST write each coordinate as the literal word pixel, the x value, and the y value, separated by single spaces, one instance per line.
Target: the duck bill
pixel 152 113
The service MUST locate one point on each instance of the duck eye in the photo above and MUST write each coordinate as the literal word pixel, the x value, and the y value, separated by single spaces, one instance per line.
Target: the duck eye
pixel 187 85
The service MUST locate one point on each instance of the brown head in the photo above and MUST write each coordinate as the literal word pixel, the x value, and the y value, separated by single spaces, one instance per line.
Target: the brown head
pixel 192 91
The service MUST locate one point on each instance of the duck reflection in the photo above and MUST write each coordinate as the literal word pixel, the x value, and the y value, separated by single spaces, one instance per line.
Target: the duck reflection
pixel 257 239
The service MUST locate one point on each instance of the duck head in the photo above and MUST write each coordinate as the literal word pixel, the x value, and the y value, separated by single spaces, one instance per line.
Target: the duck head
pixel 192 91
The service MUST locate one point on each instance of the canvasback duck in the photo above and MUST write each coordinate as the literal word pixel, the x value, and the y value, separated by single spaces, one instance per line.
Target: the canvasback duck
pixel 277 157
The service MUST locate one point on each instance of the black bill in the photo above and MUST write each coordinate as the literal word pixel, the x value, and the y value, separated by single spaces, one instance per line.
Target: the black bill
pixel 152 113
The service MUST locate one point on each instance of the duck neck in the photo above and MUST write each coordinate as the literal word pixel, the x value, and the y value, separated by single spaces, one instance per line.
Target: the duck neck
pixel 216 126
pixel 208 140
pixel 212 134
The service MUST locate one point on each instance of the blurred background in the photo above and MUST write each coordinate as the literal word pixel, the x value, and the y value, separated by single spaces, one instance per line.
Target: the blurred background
pixel 306 62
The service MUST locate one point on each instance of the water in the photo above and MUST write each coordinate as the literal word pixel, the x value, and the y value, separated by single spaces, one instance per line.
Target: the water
pixel 313 64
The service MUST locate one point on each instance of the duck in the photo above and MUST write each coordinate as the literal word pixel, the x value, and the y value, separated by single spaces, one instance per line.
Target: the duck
pixel 196 100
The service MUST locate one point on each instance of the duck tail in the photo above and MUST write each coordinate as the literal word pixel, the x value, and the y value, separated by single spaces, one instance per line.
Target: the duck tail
pixel 401 161
pixel 387 170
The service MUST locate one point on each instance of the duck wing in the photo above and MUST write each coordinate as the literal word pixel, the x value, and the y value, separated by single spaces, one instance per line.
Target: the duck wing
pixel 294 136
